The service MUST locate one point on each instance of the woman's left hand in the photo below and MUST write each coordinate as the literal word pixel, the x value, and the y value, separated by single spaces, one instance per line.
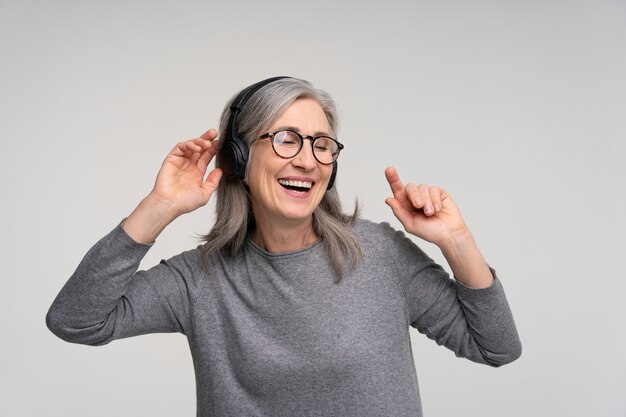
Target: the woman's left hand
pixel 425 211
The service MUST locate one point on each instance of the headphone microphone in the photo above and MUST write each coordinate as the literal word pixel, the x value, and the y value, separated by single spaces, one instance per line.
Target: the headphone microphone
pixel 233 154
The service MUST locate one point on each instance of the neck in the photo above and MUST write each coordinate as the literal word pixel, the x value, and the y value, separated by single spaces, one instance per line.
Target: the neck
pixel 284 237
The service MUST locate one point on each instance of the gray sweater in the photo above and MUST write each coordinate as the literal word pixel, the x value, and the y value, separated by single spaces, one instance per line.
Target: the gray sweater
pixel 275 335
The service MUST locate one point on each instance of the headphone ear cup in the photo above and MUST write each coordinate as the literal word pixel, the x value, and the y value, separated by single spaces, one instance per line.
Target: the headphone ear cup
pixel 331 181
pixel 233 158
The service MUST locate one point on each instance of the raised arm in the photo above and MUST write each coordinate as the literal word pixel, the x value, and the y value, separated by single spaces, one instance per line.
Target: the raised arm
pixel 470 316
pixel 106 298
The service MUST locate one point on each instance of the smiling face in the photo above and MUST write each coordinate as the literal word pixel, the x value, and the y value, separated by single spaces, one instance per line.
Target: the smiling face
pixel 284 191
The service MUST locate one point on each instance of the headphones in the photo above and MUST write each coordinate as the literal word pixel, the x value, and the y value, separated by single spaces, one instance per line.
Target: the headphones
pixel 233 154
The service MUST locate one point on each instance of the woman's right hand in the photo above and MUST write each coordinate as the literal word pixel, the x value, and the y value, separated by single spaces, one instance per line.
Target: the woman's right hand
pixel 179 183
pixel 180 188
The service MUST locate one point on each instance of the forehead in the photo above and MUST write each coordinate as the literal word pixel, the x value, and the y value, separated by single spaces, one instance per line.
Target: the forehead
pixel 306 114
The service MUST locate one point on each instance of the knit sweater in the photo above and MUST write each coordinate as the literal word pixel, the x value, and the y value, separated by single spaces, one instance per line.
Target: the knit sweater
pixel 276 334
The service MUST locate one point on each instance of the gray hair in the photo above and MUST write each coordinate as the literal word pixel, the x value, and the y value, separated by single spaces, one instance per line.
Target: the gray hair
pixel 234 217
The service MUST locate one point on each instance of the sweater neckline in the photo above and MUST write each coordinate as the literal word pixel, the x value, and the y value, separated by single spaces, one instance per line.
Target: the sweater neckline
pixel 274 255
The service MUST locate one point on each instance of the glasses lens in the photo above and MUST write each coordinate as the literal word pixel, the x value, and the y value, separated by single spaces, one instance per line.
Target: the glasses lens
pixel 286 144
pixel 326 150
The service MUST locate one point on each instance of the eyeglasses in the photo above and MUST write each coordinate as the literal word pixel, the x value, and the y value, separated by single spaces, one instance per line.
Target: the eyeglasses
pixel 287 144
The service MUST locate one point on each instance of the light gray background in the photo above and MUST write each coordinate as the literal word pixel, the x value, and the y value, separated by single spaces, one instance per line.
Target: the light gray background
pixel 516 108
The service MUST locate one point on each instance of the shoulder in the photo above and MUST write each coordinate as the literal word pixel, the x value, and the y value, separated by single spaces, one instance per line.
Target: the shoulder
pixel 190 259
pixel 384 238
pixel 369 232
pixel 187 265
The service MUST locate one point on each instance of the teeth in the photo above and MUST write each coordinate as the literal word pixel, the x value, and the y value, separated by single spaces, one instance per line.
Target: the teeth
pixel 293 183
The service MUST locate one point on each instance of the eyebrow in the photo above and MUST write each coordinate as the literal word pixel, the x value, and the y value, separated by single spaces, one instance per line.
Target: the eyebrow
pixel 296 129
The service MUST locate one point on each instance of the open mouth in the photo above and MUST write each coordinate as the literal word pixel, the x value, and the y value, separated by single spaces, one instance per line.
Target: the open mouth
pixel 297 186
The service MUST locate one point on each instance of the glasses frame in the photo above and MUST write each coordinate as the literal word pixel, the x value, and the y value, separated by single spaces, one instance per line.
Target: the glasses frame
pixel 312 139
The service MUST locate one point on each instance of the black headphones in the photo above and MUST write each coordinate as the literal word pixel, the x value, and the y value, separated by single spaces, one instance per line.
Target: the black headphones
pixel 232 156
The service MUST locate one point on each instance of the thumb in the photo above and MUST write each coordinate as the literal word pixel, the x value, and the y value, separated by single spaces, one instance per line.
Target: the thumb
pixel 399 210
pixel 212 180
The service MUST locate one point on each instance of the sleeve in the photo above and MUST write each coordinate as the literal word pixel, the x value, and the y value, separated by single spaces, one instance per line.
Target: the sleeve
pixel 107 299
pixel 476 324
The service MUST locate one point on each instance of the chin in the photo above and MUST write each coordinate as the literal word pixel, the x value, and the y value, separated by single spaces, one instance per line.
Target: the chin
pixel 297 214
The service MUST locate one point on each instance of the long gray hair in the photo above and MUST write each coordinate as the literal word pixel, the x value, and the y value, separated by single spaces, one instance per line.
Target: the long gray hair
pixel 234 217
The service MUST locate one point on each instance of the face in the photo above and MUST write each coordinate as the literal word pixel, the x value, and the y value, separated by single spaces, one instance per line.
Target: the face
pixel 287 190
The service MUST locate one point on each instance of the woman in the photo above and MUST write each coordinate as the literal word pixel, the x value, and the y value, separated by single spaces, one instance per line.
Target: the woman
pixel 290 307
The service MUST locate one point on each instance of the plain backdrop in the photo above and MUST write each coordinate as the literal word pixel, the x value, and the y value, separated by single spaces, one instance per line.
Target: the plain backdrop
pixel 516 108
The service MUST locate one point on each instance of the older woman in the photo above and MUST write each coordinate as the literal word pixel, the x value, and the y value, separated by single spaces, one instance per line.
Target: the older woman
pixel 290 307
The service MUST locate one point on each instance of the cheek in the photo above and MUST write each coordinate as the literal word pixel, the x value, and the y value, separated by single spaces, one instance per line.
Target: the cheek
pixel 261 178
pixel 327 173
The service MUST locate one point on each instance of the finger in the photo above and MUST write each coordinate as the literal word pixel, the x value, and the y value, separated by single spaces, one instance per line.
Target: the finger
pixel 414 195
pixel 194 157
pixel 179 149
pixel 209 135
pixel 435 197
pixel 208 155
pixel 190 148
pixel 428 207
pixel 394 180
pixel 186 148
pixel 200 144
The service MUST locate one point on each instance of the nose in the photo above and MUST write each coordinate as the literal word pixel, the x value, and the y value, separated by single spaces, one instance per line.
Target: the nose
pixel 305 159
